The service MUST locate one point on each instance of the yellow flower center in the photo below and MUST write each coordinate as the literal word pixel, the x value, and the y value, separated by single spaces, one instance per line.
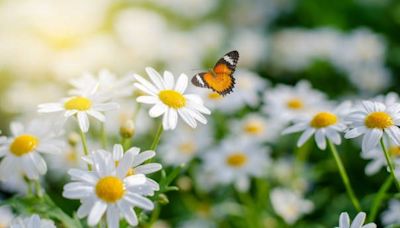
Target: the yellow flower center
pixel 72 157
pixel 323 119
pixel 131 171
pixel 378 120
pixel 394 151
pixel 253 128
pixel 295 103
pixel 23 144
pixel 78 103
pixel 237 159
pixel 187 148
pixel 110 189
pixel 172 98
pixel 214 96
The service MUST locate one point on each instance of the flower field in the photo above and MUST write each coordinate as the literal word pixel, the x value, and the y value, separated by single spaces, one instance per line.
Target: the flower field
pixel 212 113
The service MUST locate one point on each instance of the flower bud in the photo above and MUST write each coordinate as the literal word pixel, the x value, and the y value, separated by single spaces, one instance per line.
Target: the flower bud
pixel 127 129
pixel 73 139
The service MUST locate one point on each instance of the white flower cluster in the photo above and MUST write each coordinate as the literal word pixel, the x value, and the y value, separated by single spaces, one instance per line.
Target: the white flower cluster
pixel 359 54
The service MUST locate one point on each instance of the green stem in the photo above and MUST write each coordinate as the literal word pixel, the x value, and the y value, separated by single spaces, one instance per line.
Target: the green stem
pixel 345 177
pixel 103 135
pixel 38 188
pixel 390 164
pixel 126 143
pixel 155 214
pixel 85 147
pixel 164 185
pixel 250 214
pixel 59 214
pixel 156 139
pixel 379 198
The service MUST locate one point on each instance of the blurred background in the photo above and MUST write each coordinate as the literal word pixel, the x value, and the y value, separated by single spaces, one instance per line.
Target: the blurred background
pixel 342 47
pixel 345 48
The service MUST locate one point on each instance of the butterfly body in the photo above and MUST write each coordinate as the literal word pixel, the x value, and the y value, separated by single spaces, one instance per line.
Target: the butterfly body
pixel 220 79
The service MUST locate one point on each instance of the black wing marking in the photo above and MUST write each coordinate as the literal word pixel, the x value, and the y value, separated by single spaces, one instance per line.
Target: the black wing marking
pixel 230 59
pixel 198 80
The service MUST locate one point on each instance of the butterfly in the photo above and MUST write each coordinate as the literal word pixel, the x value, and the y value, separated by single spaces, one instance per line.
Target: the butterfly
pixel 220 79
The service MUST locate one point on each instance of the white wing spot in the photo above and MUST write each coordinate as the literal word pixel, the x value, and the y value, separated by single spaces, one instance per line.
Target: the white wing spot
pixel 229 60
pixel 200 80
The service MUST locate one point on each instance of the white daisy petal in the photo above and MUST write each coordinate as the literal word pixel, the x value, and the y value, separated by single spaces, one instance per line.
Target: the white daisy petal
pixel 344 220
pixel 118 152
pixel 187 117
pixel 169 80
pixel 97 115
pixel 82 175
pixel 142 157
pixel 83 121
pixel 181 83
pixel 173 118
pixel 371 139
pixel 125 164
pixel 134 150
pixel 355 132
pixel 295 128
pixel 128 213
pixel 39 162
pixel 394 134
pixel 320 139
pixel 144 89
pixel 96 212
pixel 50 107
pixel 86 206
pixel 166 124
pixel 112 217
pixel 155 78
pixel 146 84
pixel 139 201
pixel 147 99
pixel 157 110
pixel 148 168
pixel 358 220
pixel 305 136
pixel 133 180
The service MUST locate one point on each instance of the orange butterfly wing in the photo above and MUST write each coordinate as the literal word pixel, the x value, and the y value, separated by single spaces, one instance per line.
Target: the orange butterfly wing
pixel 221 79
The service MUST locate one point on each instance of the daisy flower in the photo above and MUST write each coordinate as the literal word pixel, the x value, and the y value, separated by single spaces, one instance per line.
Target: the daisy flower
pixel 109 190
pixel 33 221
pixel 137 166
pixel 21 152
pixel 257 127
pixel 378 160
pixel 236 161
pixel 109 85
pixel 358 222
pixel 88 103
pixel 324 125
pixel 290 205
pixel 391 215
pixel 288 172
pixel 185 144
pixel 291 102
pixel 373 119
pixel 168 99
pixel 388 99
